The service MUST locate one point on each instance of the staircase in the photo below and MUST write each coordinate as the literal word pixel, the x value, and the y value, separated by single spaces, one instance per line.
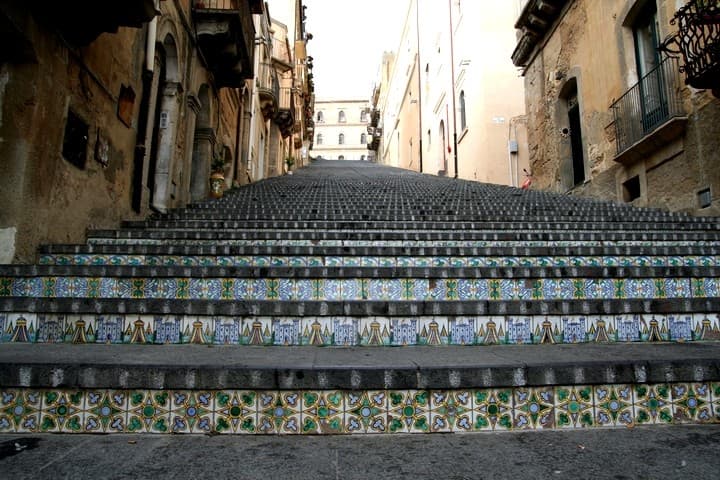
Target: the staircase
pixel 510 310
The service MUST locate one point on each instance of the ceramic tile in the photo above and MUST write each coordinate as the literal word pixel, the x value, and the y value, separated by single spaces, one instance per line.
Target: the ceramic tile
pixel 20 328
pixel 235 411
pixel 574 328
pixel 198 330
pixel 61 411
pixel 680 327
pixel 547 330
pixel 493 409
pixel 491 330
pixel 519 329
pixel 652 404
pixel 111 329
pixel 707 327
pixel 627 327
pixel 433 331
pixel 344 331
pixel 279 412
pixel 227 330
pixel 191 411
pixel 534 408
pixel 317 331
pixel 148 411
pixel 51 328
pixel 286 331
pixel 715 397
pixel 19 410
pixel 601 328
pixel 374 331
pixel 323 412
pixel 167 329
pixel 461 330
pixel 408 411
pixel 654 328
pixel 691 402
pixel 613 405
pixel 257 331
pixel 574 407
pixel 451 411
pixel 366 412
pixel 105 411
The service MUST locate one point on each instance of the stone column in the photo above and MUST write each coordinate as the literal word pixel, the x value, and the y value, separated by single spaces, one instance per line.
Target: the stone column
pixel 187 169
pixel 202 154
pixel 167 124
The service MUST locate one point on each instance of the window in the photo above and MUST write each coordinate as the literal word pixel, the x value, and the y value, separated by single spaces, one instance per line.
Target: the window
pixel 645 34
pixel 319 139
pixel 363 138
pixel 75 140
pixel 363 116
pixel 631 189
pixel 429 139
pixel 341 139
pixel 320 117
pixel 463 114
pixel 341 116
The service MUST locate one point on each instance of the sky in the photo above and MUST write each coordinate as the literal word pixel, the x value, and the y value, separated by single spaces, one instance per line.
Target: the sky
pixel 349 37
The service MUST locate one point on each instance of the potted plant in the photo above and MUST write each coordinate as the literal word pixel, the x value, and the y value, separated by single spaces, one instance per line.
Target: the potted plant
pixel 289 161
pixel 217 175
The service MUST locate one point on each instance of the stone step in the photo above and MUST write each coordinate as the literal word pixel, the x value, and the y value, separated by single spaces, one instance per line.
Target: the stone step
pixel 342 330
pixel 427 235
pixel 266 390
pixel 410 225
pixel 374 260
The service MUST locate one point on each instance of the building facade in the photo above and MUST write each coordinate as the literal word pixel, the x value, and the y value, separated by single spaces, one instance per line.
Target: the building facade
pixel 449 102
pixel 123 116
pixel 341 129
pixel 610 114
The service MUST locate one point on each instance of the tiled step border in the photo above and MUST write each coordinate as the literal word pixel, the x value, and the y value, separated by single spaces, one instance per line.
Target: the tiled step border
pixel 374 331
pixel 378 261
pixel 231 411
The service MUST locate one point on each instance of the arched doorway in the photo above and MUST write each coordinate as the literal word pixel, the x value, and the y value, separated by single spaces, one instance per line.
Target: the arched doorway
pixel 202 148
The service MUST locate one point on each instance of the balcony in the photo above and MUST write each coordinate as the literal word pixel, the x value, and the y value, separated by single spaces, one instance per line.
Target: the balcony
pixel 81 21
pixel 650 114
pixel 285 117
pixel 535 21
pixel 268 90
pixel 225 35
pixel 698 39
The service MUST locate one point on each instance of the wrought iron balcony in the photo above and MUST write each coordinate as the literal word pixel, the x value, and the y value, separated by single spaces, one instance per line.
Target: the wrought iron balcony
pixel 650 114
pixel 70 18
pixel 268 90
pixel 285 117
pixel 698 39
pixel 225 35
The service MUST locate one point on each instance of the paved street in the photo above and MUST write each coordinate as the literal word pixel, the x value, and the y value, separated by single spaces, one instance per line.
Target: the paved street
pixel 641 453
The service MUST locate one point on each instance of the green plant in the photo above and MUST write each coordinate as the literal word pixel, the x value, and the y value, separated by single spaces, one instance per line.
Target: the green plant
pixel 218 163
pixel 290 161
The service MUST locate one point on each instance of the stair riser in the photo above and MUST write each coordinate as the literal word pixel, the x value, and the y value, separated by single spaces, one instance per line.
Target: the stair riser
pixel 382 411
pixel 358 289
pixel 377 261
pixel 356 331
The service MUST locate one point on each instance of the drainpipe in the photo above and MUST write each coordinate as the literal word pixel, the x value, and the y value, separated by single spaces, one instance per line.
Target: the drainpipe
pixel 151 39
pixel 452 71
pixel 419 73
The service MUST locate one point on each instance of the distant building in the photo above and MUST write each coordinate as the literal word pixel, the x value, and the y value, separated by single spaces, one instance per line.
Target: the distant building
pixel 448 102
pixel 610 114
pixel 341 131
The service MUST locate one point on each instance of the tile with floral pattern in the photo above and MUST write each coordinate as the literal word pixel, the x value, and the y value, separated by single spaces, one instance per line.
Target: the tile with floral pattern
pixel 366 411
pixel 451 411
pixel 61 411
pixel 691 402
pixel 20 410
pixel 408 411
pixel 534 408
pixel 323 412
pixel 235 411
pixel 279 412
pixel 105 411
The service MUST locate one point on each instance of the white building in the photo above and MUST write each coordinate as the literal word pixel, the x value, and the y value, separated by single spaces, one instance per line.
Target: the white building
pixel 341 129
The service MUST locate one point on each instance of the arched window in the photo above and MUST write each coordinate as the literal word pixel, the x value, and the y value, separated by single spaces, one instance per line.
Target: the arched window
pixel 363 116
pixel 341 116
pixel 341 139
pixel 341 157
pixel 319 139
pixel 463 113
pixel 320 117
pixel 363 138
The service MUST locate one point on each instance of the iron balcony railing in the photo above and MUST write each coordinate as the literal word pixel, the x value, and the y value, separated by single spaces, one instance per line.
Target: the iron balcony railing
pixel 648 104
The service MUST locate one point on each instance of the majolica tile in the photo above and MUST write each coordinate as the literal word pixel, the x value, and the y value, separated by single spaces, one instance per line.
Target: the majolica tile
pixel 51 328
pixel 547 330
pixel 167 329
pixel 601 328
pixel 451 411
pixel 374 331
pixel 707 327
pixel 20 328
pixel 613 405
pixel 235 411
pixel 691 402
pixel 366 411
pixel 493 409
pixel 574 407
pixel 148 411
pixel 105 411
pixel 19 410
pixel 317 331
pixel 461 330
pixel 519 330
pixel 198 330
pixel 433 331
pixel 408 411
pixel 404 331
pixel 534 408
pixel 227 330
pixel 62 411
pixel 654 328
pixel 652 404
pixel 257 331
pixel 575 328
pixel 279 412
pixel 715 397
pixel 286 331
pixel 191 411
pixel 628 327
pixel 323 412
pixel 490 330
pixel 680 327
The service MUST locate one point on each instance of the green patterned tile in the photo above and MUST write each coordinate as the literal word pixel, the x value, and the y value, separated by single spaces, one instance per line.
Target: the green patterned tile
pixel 323 412
pixel 19 410
pixel 408 411
pixel 235 411
pixel 61 411
pixel 105 411
pixel 493 409
pixel 574 407
pixel 652 404
pixel 691 403
pixel 148 411
pixel 191 411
